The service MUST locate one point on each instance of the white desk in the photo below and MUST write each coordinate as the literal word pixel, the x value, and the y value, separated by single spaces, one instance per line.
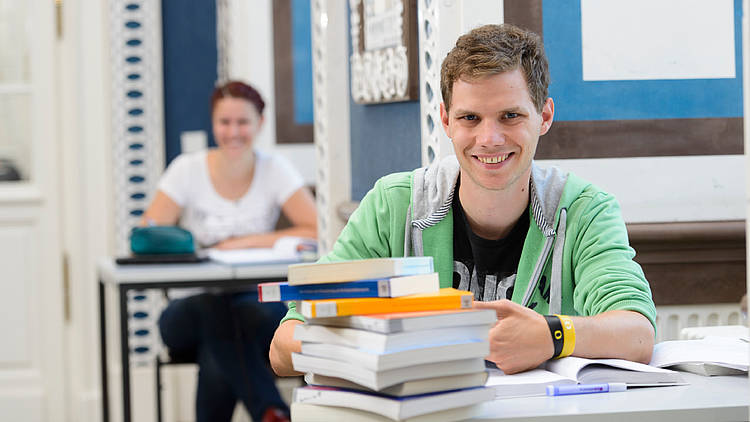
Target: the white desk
pixel 705 399
pixel 160 276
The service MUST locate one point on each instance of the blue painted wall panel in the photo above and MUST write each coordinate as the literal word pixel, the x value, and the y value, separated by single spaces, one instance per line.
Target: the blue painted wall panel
pixel 624 100
pixel 190 57
pixel 385 138
pixel 302 62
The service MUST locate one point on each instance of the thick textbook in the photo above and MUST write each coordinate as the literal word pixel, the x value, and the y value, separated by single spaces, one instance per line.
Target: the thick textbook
pixel 399 358
pixel 708 356
pixel 377 287
pixel 378 380
pixel 407 388
pixel 306 412
pixel 575 370
pixel 360 269
pixel 410 321
pixel 446 298
pixel 533 382
pixel 396 408
pixel 593 371
pixel 379 342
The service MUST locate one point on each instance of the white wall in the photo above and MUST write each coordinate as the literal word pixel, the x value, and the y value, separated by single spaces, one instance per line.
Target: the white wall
pixel 251 60
pixel 668 189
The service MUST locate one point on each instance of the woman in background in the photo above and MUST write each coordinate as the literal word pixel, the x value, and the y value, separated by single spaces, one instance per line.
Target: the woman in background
pixel 230 197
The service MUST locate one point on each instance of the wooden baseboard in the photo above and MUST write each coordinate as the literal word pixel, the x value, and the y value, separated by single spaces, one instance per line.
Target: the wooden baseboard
pixel 692 262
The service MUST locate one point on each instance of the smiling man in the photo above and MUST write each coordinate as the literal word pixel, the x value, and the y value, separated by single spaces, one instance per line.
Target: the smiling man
pixel 545 249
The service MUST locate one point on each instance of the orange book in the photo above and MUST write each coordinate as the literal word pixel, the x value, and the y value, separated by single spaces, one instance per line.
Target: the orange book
pixel 446 298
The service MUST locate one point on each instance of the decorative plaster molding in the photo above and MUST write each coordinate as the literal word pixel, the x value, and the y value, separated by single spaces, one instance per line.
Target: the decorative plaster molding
pixel 138 140
pixel 429 76
pixel 379 75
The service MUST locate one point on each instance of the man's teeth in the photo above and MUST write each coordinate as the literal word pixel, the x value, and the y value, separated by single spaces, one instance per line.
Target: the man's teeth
pixel 493 160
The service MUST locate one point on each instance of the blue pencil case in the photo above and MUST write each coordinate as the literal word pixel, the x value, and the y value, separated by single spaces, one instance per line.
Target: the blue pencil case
pixel 157 240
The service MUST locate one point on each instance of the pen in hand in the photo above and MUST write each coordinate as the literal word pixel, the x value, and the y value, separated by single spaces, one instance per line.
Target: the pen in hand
pixel 564 390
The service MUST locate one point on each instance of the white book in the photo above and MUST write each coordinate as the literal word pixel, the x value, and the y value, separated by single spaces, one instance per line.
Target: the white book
pixel 396 408
pixel 397 358
pixel 524 384
pixel 407 388
pixel 410 321
pixel 306 412
pixel 594 371
pixel 379 342
pixel 378 380
pixel 287 249
pixel 575 370
pixel 333 272
pixel 707 356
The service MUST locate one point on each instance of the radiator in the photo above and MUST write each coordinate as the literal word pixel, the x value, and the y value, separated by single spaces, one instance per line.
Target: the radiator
pixel 671 319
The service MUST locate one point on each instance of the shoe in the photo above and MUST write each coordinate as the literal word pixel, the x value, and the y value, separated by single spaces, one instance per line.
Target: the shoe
pixel 274 414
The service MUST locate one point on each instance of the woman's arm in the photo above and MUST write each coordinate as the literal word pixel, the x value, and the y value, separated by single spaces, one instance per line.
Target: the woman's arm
pixel 299 209
pixel 163 211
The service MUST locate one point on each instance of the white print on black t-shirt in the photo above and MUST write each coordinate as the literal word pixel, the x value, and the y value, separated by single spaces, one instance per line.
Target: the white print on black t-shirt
pixel 492 289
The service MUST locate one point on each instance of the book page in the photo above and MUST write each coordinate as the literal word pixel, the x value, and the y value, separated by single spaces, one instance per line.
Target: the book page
pixel 571 366
pixel 286 249
pixel 723 351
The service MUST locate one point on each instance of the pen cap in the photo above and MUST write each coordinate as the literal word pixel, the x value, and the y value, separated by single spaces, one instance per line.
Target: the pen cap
pixel 617 386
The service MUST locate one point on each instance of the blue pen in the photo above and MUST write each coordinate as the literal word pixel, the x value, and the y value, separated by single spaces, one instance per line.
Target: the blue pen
pixel 564 390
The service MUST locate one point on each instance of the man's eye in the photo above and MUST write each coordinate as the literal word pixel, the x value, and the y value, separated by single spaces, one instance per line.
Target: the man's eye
pixel 470 117
pixel 510 115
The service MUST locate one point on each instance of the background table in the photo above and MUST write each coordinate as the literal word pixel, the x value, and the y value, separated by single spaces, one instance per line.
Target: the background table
pixel 161 276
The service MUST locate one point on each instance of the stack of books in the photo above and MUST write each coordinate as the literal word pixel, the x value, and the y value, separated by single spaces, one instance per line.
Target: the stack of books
pixel 383 342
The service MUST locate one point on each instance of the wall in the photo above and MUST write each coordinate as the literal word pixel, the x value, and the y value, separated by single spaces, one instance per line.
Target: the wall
pixel 385 138
pixel 189 69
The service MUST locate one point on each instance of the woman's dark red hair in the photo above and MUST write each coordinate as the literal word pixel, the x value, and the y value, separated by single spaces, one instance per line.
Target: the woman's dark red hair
pixel 237 89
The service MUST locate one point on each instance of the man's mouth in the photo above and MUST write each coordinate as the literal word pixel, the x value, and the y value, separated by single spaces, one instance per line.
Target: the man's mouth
pixel 494 159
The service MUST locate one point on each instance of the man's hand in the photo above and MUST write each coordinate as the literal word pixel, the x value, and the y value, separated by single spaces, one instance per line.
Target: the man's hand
pixel 520 340
pixel 282 347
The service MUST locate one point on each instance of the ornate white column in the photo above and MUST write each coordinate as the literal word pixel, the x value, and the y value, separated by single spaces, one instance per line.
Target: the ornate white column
pixel 440 24
pixel 137 110
pixel 331 105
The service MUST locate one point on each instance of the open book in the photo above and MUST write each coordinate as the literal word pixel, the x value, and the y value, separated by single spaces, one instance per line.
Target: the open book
pixel 575 370
pixel 707 356
pixel 286 249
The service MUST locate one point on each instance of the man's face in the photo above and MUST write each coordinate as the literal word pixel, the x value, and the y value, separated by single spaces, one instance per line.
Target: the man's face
pixel 495 129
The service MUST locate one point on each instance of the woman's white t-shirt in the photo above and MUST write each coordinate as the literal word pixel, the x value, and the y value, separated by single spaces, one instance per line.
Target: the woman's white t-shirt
pixel 212 218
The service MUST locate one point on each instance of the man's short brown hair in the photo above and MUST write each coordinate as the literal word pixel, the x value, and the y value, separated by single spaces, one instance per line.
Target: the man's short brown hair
pixel 493 49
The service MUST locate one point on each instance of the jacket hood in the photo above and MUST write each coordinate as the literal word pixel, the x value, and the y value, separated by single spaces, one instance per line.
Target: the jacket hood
pixel 433 187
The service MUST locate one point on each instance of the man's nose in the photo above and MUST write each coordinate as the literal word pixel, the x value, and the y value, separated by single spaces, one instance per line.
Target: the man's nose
pixel 490 133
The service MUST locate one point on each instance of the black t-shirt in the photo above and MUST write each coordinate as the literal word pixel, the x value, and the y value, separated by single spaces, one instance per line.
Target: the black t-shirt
pixel 482 266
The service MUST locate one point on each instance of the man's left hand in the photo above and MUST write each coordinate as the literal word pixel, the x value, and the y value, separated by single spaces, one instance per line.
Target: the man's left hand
pixel 520 340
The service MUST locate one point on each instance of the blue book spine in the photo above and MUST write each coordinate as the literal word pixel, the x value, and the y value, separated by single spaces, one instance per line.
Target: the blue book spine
pixel 281 292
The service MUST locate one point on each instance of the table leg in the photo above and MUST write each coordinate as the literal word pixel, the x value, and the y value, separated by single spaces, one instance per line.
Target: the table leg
pixel 125 353
pixel 103 346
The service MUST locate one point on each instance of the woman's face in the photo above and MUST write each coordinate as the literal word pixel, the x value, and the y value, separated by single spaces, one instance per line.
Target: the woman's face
pixel 235 123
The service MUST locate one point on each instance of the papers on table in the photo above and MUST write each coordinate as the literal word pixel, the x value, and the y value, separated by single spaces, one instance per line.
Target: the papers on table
pixel 285 250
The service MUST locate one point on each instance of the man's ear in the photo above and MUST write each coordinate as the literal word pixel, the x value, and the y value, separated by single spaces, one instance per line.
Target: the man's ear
pixel 444 119
pixel 548 113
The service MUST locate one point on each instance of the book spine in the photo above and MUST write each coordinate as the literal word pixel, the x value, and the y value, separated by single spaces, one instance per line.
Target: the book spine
pixel 329 308
pixel 281 292
pixel 414 266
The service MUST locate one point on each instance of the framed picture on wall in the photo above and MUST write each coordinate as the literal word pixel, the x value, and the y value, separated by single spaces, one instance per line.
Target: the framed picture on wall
pixel 384 61
pixel 292 71
pixel 681 95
